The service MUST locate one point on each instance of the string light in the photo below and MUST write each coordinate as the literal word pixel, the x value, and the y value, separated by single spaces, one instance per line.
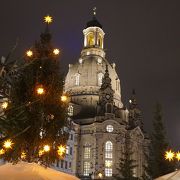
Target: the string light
pixel 29 53
pixel 48 19
pixel 4 105
pixel 61 150
pixel 169 155
pixel 2 151
pixel 46 148
pixel 8 144
pixel 63 98
pixel 56 51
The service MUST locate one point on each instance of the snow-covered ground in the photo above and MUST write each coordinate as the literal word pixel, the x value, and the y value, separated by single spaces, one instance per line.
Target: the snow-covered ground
pixel 31 171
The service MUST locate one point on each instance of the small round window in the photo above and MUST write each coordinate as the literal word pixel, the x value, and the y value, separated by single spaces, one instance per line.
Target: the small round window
pixel 109 128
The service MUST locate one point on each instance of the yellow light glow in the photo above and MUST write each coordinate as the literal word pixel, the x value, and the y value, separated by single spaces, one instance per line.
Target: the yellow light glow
pixel 100 175
pixel 4 105
pixel 48 19
pixel 8 144
pixel 64 98
pixel 169 155
pixel 61 150
pixel 56 51
pixel 40 90
pixel 41 152
pixel 130 101
pixel 178 156
pixel 108 164
pixel 29 53
pixel 23 155
pixel 46 148
pixel 2 151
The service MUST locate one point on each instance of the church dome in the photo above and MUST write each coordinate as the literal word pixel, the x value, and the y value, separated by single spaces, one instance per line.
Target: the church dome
pixel 84 78
pixel 93 23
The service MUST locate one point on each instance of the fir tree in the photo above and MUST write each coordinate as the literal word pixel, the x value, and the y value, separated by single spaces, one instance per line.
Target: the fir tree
pixel 31 126
pixel 126 166
pixel 158 166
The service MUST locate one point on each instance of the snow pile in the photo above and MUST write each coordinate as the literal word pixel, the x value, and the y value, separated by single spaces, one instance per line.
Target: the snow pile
pixel 31 171
pixel 172 176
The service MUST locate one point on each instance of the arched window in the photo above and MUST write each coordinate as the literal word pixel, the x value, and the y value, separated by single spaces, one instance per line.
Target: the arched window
pixel 108 158
pixel 77 79
pixel 90 39
pixel 108 149
pixel 70 110
pixel 100 77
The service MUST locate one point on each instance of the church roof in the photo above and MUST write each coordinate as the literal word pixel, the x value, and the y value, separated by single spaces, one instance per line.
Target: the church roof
pixel 93 23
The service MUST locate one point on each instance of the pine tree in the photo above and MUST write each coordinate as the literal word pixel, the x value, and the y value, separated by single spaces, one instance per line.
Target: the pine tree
pixel 31 126
pixel 158 166
pixel 126 166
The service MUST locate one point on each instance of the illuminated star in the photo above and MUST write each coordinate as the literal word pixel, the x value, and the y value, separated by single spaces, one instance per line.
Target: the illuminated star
pixel 61 150
pixel 178 156
pixel 46 148
pixel 48 19
pixel 56 51
pixel 29 53
pixel 169 155
pixel 8 144
pixel 4 105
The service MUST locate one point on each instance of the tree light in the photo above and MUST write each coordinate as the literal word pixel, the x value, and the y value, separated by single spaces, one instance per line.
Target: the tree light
pixel 4 105
pixel 8 144
pixel 46 148
pixel 41 152
pixel 169 155
pixel 48 19
pixel 40 90
pixel 56 51
pixel 61 150
pixel 23 155
pixel 64 98
pixel 2 151
pixel 29 53
pixel 130 101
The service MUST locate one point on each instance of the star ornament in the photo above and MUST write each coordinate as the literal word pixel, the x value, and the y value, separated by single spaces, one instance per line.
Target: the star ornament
pixel 169 155
pixel 48 19
pixel 178 156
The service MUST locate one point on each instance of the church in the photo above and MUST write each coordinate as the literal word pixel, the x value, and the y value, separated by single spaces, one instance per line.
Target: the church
pixel 103 127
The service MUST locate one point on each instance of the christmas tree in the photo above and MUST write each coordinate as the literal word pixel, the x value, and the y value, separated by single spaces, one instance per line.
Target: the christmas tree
pixel 157 165
pixel 34 109
pixel 126 166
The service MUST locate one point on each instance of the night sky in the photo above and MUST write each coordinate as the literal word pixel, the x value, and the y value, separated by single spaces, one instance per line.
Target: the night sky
pixel 142 38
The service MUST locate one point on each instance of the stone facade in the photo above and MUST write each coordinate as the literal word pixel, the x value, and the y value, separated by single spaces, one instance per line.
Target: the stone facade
pixel 103 126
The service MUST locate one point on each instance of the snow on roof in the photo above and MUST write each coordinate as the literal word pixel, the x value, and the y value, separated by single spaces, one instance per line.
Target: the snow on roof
pixel 172 176
pixel 31 171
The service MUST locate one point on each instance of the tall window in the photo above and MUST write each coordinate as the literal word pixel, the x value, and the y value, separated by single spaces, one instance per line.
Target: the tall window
pixel 100 77
pixel 77 79
pixel 67 149
pixel 70 110
pixel 108 150
pixel 87 167
pixel 87 152
pixel 108 158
